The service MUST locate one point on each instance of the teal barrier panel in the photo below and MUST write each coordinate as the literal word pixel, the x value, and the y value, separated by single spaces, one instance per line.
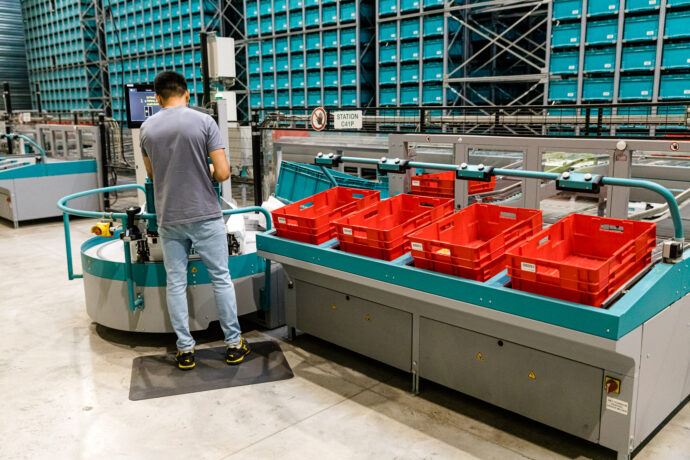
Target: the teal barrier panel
pixel 428 4
pixel 298 99
pixel 566 9
pixel 348 12
pixel 254 66
pixel 600 60
pixel 312 18
pixel 265 7
pixel 252 10
pixel 348 57
pixel 266 28
pixel 564 63
pixel 636 88
pixel 313 41
pixel 279 6
pixel 407 6
pixel 253 49
pixel 641 28
pixel 313 60
pixel 330 59
pixel 329 15
pixel 638 58
pixel 267 65
pixel 348 97
pixel 600 32
pixel 252 30
pixel 280 23
pixel 256 100
pixel 563 35
pixel 313 79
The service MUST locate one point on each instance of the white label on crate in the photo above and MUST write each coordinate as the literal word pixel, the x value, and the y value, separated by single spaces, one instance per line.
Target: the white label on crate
pixel 417 247
pixel 688 61
pixel 573 39
pixel 612 7
pixel 571 67
pixel 528 267
pixel 686 91
pixel 644 93
pixel 606 93
pixel 576 12
pixel 607 65
pixel 347 231
pixel 610 36
pixel 571 94
pixel 352 119
pixel 650 32
pixel 652 2
pixel 281 220
pixel 650 62
pixel 617 405
pixel 415 183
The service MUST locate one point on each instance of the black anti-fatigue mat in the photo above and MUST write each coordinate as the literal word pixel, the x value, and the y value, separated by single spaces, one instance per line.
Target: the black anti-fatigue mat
pixel 158 376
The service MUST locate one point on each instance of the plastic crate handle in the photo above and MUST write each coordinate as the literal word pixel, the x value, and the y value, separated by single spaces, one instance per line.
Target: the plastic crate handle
pixel 306 205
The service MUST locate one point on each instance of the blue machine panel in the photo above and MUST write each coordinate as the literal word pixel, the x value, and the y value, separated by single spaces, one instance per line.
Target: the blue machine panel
pixel 638 58
pixel 563 35
pixel 409 73
pixel 636 88
pixel 676 56
pixel 601 32
pixel 567 9
pixel 564 63
pixel 597 89
pixel 563 90
pixel 677 24
pixel 600 60
pixel 641 28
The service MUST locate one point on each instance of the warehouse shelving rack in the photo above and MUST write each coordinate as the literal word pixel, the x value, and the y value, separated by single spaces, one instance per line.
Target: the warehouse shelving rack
pixel 13 69
pixel 308 53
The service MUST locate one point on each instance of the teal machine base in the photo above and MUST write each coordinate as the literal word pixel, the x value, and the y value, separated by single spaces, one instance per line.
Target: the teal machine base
pixel 609 376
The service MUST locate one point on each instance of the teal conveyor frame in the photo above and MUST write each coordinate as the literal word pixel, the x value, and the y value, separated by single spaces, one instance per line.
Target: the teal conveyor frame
pixel 13 136
pixel 137 301
pixel 664 284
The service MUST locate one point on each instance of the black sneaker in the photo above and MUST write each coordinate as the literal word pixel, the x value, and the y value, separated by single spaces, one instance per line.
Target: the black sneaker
pixel 185 360
pixel 235 355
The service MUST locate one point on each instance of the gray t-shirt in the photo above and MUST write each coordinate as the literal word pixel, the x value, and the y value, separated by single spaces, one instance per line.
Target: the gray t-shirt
pixel 178 140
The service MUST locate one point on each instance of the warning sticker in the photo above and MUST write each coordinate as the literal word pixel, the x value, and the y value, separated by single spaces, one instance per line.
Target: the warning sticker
pixel 417 247
pixel 617 405
pixel 281 220
pixel 347 231
pixel 528 267
pixel 443 251
pixel 415 183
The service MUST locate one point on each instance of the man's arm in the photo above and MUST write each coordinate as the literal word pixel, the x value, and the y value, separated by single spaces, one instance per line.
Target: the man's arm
pixel 149 169
pixel 221 169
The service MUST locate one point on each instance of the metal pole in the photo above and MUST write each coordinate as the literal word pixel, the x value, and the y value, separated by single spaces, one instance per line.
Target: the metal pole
pixel 104 160
pixel 206 98
pixel 257 165
pixel 7 98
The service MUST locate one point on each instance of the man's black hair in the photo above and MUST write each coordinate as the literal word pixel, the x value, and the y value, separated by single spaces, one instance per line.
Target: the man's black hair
pixel 168 84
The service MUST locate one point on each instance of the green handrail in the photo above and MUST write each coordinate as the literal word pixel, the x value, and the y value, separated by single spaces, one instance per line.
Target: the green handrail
pixel 138 301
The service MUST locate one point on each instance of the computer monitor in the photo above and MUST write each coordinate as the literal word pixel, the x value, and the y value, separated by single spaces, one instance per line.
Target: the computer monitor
pixel 140 102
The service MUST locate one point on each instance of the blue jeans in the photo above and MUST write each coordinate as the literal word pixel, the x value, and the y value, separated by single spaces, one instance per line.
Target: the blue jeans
pixel 210 242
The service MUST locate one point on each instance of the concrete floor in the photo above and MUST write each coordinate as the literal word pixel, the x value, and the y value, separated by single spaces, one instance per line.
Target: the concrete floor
pixel 65 383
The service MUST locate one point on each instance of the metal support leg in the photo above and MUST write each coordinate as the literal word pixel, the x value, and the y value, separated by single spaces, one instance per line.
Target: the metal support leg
pixel 291 333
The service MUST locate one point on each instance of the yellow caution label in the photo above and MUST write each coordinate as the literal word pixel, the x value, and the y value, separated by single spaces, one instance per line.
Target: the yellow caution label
pixel 532 375
pixel 333 307
pixel 480 357
pixel 443 251
pixel 194 270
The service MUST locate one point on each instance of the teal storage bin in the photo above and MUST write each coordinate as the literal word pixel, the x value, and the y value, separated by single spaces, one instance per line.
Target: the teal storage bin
pixel 638 58
pixel 676 56
pixel 388 75
pixel 309 3
pixel 677 24
pixel 330 79
pixel 674 87
pixel 252 27
pixel 600 32
pixel 266 7
pixel 348 77
pixel 280 23
pixel 296 43
pixel 409 51
pixel 311 17
pixel 388 31
pixel 330 59
pixel 279 6
pixel 313 60
pixel 563 90
pixel 267 65
pixel 564 63
pixel 348 57
pixel 252 10
pixel 348 11
pixel 388 7
pixel 567 9
pixel 677 3
pixel 268 82
pixel 255 83
pixel 266 26
pixel 295 5
pixel 563 35
pixel 254 66
pixel 298 99
pixel 297 80
pixel 296 62
pixel 314 98
pixel 433 26
pixel 313 79
pixel 388 54
pixel 409 73
pixel 409 95
pixel 641 28
pixel 602 7
pixel 432 95
pixel 348 97
pixel 407 6
pixel 253 49
pixel 428 4
pixel 600 60
pixel 432 71
pixel 330 98
pixel 282 64
pixel 267 48
pixel 329 15
pixel 409 29
pixel 348 36
pixel 313 42
pixel 597 89
pixel 284 99
pixel 296 20
pixel 388 96
pixel 282 81
pixel 329 39
pixel 636 88
pixel 255 100
pixel 281 45
pixel 641 5
pixel 269 100
pixel 432 49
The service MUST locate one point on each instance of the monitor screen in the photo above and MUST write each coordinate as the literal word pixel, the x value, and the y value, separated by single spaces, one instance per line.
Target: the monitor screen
pixel 140 101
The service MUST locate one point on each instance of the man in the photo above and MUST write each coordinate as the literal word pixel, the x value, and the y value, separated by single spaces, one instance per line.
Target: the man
pixel 176 143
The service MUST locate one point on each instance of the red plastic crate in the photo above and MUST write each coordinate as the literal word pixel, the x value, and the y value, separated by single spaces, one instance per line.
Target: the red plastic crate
pixel 583 253
pixel 377 253
pixel 382 225
pixel 311 220
pixel 476 236
pixel 483 273
pixel 443 185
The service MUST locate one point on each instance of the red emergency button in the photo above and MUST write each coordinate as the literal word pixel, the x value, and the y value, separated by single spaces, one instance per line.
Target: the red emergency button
pixel 612 385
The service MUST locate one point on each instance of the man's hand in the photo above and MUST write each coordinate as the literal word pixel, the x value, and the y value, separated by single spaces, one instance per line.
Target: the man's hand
pixel 220 169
